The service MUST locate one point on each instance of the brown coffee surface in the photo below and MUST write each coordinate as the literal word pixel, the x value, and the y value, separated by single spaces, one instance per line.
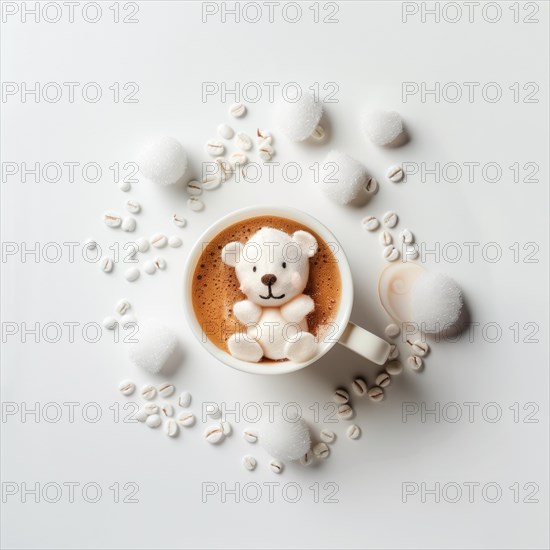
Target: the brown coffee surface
pixel 215 285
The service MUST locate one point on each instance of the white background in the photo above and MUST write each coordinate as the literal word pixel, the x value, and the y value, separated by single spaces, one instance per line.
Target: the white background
pixel 368 54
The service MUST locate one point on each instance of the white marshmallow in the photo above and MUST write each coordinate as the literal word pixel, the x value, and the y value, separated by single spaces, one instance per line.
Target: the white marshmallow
pixel 284 439
pixel 382 127
pixel 163 160
pixel 436 302
pixel 344 184
pixel 155 344
pixel 298 120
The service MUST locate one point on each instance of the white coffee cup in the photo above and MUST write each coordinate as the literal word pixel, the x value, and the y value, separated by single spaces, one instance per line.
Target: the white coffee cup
pixel 344 332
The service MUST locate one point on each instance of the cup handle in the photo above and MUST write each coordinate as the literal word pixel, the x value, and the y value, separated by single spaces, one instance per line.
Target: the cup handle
pixel 365 343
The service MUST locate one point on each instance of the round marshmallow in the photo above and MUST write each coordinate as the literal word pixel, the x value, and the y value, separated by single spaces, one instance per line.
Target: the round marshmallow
pixel 342 178
pixel 297 120
pixel 436 302
pixel 285 438
pixel 382 127
pixel 163 160
pixel 155 344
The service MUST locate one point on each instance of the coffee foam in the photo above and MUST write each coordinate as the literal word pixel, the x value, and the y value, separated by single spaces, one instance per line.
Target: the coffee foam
pixel 215 286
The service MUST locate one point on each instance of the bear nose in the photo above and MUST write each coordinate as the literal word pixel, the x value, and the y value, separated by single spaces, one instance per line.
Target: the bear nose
pixel 268 279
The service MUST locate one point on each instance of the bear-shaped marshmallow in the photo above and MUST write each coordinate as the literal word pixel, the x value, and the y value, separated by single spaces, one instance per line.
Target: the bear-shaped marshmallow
pixel 273 270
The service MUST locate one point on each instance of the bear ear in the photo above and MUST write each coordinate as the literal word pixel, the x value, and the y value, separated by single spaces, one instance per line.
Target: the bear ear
pixel 231 253
pixel 306 241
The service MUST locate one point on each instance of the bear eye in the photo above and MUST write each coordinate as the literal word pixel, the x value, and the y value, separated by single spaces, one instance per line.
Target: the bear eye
pixel 284 265
pixel 254 269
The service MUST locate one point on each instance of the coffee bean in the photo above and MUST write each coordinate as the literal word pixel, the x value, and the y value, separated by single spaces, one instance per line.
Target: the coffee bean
pixel 151 408
pixel 159 240
pixel 390 253
pixel 390 219
pixel 327 436
pixel 128 224
pixel 353 431
pixel 214 434
pixel 149 267
pixel 249 462
pixel 226 427
pixel 243 141
pixel 195 204
pixel 167 409
pixel 127 387
pixel 148 392
pixel 141 415
pixel 160 262
pixel 166 390
pixel 411 252
pixel 385 238
pixel 394 352
pixel 419 348
pixel 415 362
pixel 110 323
pixel 370 223
pixel 376 393
pixel 214 147
pixel 224 169
pixel 345 412
pixel 276 466
pixel 106 264
pixel 209 182
pixel 392 330
pixel 153 421
pixel 179 220
pixel 265 152
pixel 307 459
pixel 214 411
pixel 318 133
pixel 237 110
pixel 122 307
pixel 112 219
pixel 225 131
pixel 395 173
pixel 132 274
pixel 359 387
pixel 171 428
pixel 194 188
pixel 383 379
pixel 263 136
pixel 406 236
pixel 238 158
pixel 184 400
pixel 250 436
pixel 174 242
pixel 133 206
pixel 321 450
pixel 371 186
pixel 186 419
pixel 143 244
pixel 341 396
pixel 394 368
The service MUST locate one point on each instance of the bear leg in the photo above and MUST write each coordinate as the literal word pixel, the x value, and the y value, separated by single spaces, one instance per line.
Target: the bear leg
pixel 242 347
pixel 302 349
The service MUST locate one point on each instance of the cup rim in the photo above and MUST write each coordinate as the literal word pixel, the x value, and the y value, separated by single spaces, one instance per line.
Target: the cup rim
pixel 346 298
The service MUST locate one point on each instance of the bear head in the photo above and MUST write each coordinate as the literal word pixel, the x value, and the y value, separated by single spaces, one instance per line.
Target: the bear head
pixel 272 266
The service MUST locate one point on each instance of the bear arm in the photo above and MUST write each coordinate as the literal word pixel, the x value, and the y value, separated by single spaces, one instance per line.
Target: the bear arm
pixel 247 312
pixel 298 308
